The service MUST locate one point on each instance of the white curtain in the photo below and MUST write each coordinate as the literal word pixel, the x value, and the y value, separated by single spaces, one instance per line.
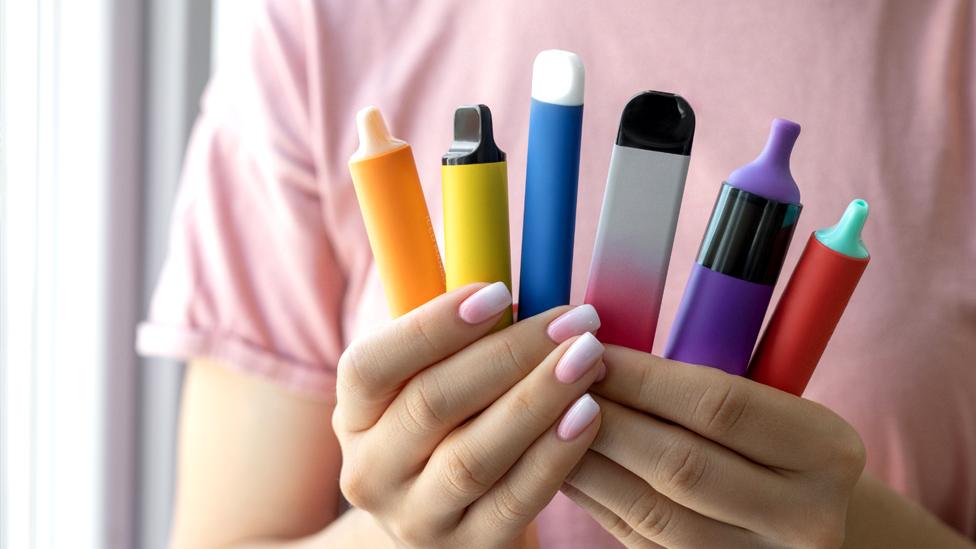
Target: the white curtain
pixel 96 100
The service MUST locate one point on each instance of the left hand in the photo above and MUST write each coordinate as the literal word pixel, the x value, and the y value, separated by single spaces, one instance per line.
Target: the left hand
pixel 689 456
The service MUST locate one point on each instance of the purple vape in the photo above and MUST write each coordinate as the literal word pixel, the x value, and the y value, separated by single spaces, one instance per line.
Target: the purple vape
pixel 739 261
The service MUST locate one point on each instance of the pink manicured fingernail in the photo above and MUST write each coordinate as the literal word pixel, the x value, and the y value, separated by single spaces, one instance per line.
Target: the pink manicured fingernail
pixel 574 322
pixel 485 303
pixel 578 418
pixel 578 358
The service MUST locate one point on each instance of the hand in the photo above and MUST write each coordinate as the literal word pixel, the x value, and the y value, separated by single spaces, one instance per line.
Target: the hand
pixel 689 456
pixel 453 438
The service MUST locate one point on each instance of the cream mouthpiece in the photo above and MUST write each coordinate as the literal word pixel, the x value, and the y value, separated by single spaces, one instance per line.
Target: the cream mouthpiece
pixel 374 137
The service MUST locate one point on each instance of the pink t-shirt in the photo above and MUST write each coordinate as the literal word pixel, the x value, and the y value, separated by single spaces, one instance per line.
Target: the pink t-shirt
pixel 269 268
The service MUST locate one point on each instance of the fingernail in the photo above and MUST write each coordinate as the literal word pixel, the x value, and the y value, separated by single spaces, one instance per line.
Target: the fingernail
pixel 485 303
pixel 578 418
pixel 576 321
pixel 578 358
pixel 603 372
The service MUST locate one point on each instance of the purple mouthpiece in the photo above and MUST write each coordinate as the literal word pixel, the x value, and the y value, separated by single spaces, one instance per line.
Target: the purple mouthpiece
pixel 769 174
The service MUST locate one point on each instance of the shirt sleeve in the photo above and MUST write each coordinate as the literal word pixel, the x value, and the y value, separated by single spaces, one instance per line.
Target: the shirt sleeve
pixel 250 277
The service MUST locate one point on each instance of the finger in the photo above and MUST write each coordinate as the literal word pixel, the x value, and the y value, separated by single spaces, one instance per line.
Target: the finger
pixel 472 458
pixel 610 522
pixel 514 501
pixel 448 394
pixel 649 514
pixel 768 426
pixel 375 367
pixel 693 471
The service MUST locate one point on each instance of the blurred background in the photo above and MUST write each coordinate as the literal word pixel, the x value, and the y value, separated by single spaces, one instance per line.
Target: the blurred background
pixel 87 428
pixel 97 99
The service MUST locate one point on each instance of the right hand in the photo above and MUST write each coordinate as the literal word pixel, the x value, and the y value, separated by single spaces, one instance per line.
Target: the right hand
pixel 454 438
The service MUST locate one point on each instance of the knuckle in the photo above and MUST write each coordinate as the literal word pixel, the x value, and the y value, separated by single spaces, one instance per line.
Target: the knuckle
pixel 829 538
pixel 353 367
pixel 338 421
pixel 681 467
pixel 720 408
pixel 508 509
pixel 465 476
pixel 850 454
pixel 412 533
pixel 836 451
pixel 506 352
pixel 825 533
pixel 355 486
pixel 618 527
pixel 424 406
pixel 522 408
pixel 843 456
pixel 651 516
pixel 348 358
pixel 417 331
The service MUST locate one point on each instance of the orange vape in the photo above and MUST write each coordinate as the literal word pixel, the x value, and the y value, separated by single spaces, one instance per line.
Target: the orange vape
pixel 396 216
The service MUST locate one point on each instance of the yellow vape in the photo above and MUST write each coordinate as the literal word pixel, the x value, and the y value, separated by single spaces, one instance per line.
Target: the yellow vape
pixel 476 240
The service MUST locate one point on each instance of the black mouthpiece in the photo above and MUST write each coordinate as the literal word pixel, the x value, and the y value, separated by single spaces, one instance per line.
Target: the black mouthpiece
pixel 657 121
pixel 474 141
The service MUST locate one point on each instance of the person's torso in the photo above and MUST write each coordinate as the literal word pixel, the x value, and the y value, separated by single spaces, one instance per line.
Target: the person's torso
pixel 878 87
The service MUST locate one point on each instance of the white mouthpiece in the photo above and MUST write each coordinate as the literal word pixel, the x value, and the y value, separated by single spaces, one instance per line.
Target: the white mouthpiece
pixel 557 77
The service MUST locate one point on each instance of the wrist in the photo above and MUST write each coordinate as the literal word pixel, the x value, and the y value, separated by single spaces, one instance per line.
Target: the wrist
pixel 877 516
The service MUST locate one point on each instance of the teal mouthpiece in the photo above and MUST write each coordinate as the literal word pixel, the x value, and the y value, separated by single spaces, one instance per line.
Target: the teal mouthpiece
pixel 845 236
